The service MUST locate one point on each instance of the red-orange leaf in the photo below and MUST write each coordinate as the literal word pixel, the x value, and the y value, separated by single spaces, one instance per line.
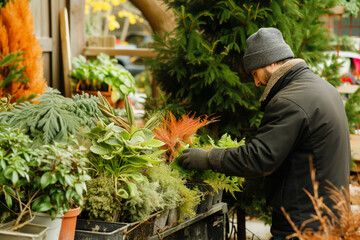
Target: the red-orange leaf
pixel 176 133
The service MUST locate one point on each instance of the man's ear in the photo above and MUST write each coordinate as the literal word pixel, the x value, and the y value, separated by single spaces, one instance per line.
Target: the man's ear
pixel 272 67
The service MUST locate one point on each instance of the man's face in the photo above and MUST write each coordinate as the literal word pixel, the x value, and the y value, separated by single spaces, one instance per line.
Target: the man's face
pixel 261 76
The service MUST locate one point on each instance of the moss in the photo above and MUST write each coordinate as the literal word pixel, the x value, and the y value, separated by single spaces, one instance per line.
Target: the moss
pixel 100 203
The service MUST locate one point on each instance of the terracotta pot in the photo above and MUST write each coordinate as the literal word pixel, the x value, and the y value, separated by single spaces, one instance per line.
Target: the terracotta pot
pixel 106 94
pixel 68 225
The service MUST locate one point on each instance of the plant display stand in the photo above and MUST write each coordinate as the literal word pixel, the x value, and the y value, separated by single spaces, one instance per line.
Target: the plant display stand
pixel 210 225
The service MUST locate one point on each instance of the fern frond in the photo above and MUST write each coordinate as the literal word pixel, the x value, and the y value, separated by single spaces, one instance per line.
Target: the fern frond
pixel 86 108
pixel 49 117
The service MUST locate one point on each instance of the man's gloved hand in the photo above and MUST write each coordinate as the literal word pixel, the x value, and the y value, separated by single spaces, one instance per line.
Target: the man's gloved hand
pixel 195 158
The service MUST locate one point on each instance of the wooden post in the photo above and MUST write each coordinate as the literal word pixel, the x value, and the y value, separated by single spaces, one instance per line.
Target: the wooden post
pixel 124 31
pixel 65 47
pixel 77 26
pixel 241 223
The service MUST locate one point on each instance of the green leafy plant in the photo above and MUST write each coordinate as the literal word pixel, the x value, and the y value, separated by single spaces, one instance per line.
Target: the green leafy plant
pixel 101 74
pixel 52 117
pixel 173 189
pixel 145 202
pixel 121 152
pixel 217 181
pixel 330 70
pixel 86 108
pixel 352 108
pixel 117 153
pixel 129 123
pixel 154 188
pixel 352 7
pixel 45 179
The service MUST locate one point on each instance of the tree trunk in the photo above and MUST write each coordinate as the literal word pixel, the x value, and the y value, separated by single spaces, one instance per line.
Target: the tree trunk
pixel 156 13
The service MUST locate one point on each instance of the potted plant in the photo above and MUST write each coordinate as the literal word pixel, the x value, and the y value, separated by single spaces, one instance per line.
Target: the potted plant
pixel 119 153
pixel 179 199
pixel 102 74
pixel 42 180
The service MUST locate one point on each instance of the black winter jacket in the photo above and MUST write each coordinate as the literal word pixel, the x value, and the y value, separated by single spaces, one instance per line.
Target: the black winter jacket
pixel 304 117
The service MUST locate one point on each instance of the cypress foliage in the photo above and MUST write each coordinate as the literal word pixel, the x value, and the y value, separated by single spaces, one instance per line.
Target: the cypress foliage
pixel 200 63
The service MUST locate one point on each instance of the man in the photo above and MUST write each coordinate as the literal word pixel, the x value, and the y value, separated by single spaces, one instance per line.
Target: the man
pixel 303 118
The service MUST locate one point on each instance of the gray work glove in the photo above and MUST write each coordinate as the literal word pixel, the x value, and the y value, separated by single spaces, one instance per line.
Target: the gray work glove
pixel 195 158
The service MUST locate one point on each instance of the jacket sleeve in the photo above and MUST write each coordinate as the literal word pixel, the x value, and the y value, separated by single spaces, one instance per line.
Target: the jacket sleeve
pixel 281 128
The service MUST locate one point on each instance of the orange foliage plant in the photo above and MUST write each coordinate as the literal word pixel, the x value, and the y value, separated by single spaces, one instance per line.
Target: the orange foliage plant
pixel 17 34
pixel 176 133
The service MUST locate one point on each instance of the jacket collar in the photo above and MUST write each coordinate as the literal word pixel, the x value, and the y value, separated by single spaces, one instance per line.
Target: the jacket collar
pixel 278 74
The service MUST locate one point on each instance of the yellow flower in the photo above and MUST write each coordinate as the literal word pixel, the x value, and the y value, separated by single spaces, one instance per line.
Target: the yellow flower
pixel 122 14
pixel 131 17
pixel 116 2
pixel 106 6
pixel 97 6
pixel 113 24
pixel 87 9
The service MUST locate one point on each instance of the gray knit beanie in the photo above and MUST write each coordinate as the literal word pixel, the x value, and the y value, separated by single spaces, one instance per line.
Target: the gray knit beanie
pixel 265 47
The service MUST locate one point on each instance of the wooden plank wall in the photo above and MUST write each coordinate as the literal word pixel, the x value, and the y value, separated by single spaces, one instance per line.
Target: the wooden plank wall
pixel 76 10
pixel 46 15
